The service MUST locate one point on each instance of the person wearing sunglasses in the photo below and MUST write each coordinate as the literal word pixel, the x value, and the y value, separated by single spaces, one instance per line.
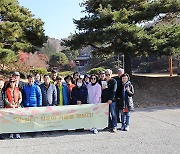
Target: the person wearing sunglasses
pixel 94 94
pixel 13 98
pixel 108 96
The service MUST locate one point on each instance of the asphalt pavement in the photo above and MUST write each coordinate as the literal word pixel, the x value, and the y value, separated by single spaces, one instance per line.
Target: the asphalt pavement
pixel 152 131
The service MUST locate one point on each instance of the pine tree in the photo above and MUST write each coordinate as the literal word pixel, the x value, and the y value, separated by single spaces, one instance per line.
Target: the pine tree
pixel 19 30
pixel 116 26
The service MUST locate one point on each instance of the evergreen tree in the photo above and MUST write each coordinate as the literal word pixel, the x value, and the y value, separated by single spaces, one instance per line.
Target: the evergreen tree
pixel 116 26
pixel 19 30
pixel 58 60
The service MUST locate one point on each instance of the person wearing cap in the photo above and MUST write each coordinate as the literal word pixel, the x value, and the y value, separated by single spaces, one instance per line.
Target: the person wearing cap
pixel 79 93
pixel 69 81
pixel 18 83
pixel 13 99
pixel 63 94
pixel 2 101
pixel 53 76
pixel 118 79
pixel 49 92
pixel 32 96
pixel 108 96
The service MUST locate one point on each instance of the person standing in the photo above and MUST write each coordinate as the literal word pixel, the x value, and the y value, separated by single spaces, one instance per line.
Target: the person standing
pixel 127 101
pixel 13 99
pixel 118 79
pixel 101 78
pixel 79 93
pixel 2 105
pixel 38 79
pixel 108 96
pixel 76 75
pixel 49 92
pixel 63 94
pixel 86 79
pixel 32 96
pixel 94 94
pixel 18 83
pixel 69 81
pixel 53 76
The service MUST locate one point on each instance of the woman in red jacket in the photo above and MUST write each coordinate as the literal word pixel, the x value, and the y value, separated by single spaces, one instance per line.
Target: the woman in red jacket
pixel 13 99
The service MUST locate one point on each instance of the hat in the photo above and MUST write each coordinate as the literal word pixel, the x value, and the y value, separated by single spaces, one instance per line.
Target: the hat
pixel 54 71
pixel 102 72
pixel 16 74
pixel 59 78
pixel 30 76
pixel 12 79
pixel 86 75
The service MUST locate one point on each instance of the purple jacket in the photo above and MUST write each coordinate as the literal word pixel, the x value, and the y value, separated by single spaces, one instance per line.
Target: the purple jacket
pixel 94 93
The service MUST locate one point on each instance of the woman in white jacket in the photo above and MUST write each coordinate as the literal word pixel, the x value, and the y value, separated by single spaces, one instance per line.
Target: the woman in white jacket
pixel 94 94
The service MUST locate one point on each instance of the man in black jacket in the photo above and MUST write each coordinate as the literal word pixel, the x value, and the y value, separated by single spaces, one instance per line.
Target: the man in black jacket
pixel 118 78
pixel 108 96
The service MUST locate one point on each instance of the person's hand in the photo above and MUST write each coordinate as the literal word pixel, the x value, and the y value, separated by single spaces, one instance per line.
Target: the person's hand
pixel 127 88
pixel 13 106
pixel 103 88
pixel 109 101
pixel 79 102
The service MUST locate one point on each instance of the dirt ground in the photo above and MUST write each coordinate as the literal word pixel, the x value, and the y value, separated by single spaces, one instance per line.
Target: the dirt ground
pixel 156 91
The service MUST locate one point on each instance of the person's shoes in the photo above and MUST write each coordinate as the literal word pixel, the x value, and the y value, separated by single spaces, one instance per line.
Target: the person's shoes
pixel 43 133
pixel 33 134
pixel 51 133
pixel 122 128
pixel 18 136
pixel 114 130
pixel 79 130
pixel 126 128
pixel 11 136
pixel 107 129
pixel 2 137
pixel 95 131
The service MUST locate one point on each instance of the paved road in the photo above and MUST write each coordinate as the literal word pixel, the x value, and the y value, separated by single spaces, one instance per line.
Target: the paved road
pixel 153 130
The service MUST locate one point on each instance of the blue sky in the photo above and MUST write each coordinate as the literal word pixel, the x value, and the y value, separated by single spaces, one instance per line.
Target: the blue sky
pixel 58 15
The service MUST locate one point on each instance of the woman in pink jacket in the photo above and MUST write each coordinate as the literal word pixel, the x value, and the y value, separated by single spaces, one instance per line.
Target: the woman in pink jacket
pixel 94 94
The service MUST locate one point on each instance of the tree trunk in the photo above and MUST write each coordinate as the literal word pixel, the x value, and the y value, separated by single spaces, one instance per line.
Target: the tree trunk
pixel 178 64
pixel 127 61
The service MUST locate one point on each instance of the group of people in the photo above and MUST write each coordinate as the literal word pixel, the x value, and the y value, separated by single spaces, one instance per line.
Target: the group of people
pixel 72 90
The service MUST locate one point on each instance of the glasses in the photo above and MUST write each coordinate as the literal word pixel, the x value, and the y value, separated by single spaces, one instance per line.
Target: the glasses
pixel 93 78
pixel 12 81
pixel 107 74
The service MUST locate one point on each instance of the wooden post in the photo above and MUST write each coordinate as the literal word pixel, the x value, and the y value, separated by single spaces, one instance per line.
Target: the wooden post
pixel 170 66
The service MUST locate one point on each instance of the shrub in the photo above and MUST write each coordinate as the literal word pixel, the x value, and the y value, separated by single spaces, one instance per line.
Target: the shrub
pixel 65 73
pixel 39 70
pixel 96 70
pixel 23 75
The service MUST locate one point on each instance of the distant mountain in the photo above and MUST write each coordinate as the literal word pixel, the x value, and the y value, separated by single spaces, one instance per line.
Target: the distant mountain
pixel 54 44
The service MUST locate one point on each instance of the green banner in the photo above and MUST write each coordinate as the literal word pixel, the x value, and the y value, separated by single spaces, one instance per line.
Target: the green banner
pixel 49 118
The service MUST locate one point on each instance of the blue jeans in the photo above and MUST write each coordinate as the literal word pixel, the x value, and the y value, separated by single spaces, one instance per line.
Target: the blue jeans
pixel 125 118
pixel 112 115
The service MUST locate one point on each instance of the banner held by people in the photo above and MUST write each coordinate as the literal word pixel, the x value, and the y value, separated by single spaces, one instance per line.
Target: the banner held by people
pixel 71 117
